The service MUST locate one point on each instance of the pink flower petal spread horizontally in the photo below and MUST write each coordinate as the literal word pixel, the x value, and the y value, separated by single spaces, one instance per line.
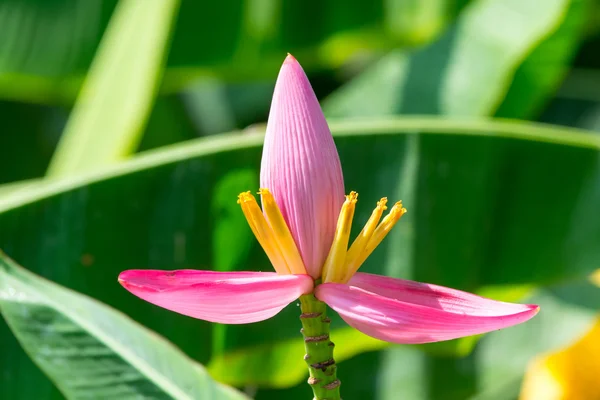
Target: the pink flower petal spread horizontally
pixel 207 294
pixel 304 227
pixel 410 312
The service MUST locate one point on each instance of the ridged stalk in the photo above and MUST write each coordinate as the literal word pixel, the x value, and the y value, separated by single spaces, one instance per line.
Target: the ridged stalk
pixel 319 349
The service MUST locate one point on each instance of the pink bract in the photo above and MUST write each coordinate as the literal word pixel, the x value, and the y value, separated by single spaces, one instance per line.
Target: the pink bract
pixel 301 166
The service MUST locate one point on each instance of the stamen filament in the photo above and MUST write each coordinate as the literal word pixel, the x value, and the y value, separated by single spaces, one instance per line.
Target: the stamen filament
pixel 360 243
pixel 380 233
pixel 263 232
pixel 333 269
pixel 282 233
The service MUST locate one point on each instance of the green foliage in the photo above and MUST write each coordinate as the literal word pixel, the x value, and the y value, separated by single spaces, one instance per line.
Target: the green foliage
pixel 92 351
pixel 121 84
pixel 107 222
pixel 506 209
pixel 488 62
pixel 234 40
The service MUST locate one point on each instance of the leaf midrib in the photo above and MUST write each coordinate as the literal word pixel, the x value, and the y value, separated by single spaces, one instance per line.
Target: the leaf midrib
pixel 230 141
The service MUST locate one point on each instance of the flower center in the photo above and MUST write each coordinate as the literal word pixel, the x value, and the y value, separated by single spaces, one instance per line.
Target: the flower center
pixel 342 263
pixel 273 234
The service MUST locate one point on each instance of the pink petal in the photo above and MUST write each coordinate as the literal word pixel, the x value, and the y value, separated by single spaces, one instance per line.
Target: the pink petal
pixel 401 311
pixel 225 297
pixel 301 166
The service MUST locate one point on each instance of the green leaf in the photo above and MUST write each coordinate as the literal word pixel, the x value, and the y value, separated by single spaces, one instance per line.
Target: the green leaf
pixel 497 53
pixel 108 119
pixel 542 72
pixel 48 40
pixel 485 57
pixel 92 351
pixel 527 221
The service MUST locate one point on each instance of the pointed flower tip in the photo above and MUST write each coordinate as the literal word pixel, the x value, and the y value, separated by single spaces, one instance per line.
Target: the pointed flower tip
pixel 535 308
pixel 293 78
pixel 290 59
pixel 122 278
pixel 134 279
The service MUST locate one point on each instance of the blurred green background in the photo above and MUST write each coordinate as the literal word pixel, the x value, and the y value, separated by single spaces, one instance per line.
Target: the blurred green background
pixel 114 156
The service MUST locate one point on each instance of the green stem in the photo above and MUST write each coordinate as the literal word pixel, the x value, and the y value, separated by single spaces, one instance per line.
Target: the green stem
pixel 319 349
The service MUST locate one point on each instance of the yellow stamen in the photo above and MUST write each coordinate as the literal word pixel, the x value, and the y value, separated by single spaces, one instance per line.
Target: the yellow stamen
pixel 333 270
pixel 360 243
pixel 273 234
pixel 263 232
pixel 380 233
pixel 282 234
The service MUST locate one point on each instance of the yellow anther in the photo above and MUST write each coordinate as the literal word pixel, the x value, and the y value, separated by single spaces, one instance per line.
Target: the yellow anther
pixel 360 243
pixel 333 270
pixel 263 232
pixel 380 233
pixel 282 234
